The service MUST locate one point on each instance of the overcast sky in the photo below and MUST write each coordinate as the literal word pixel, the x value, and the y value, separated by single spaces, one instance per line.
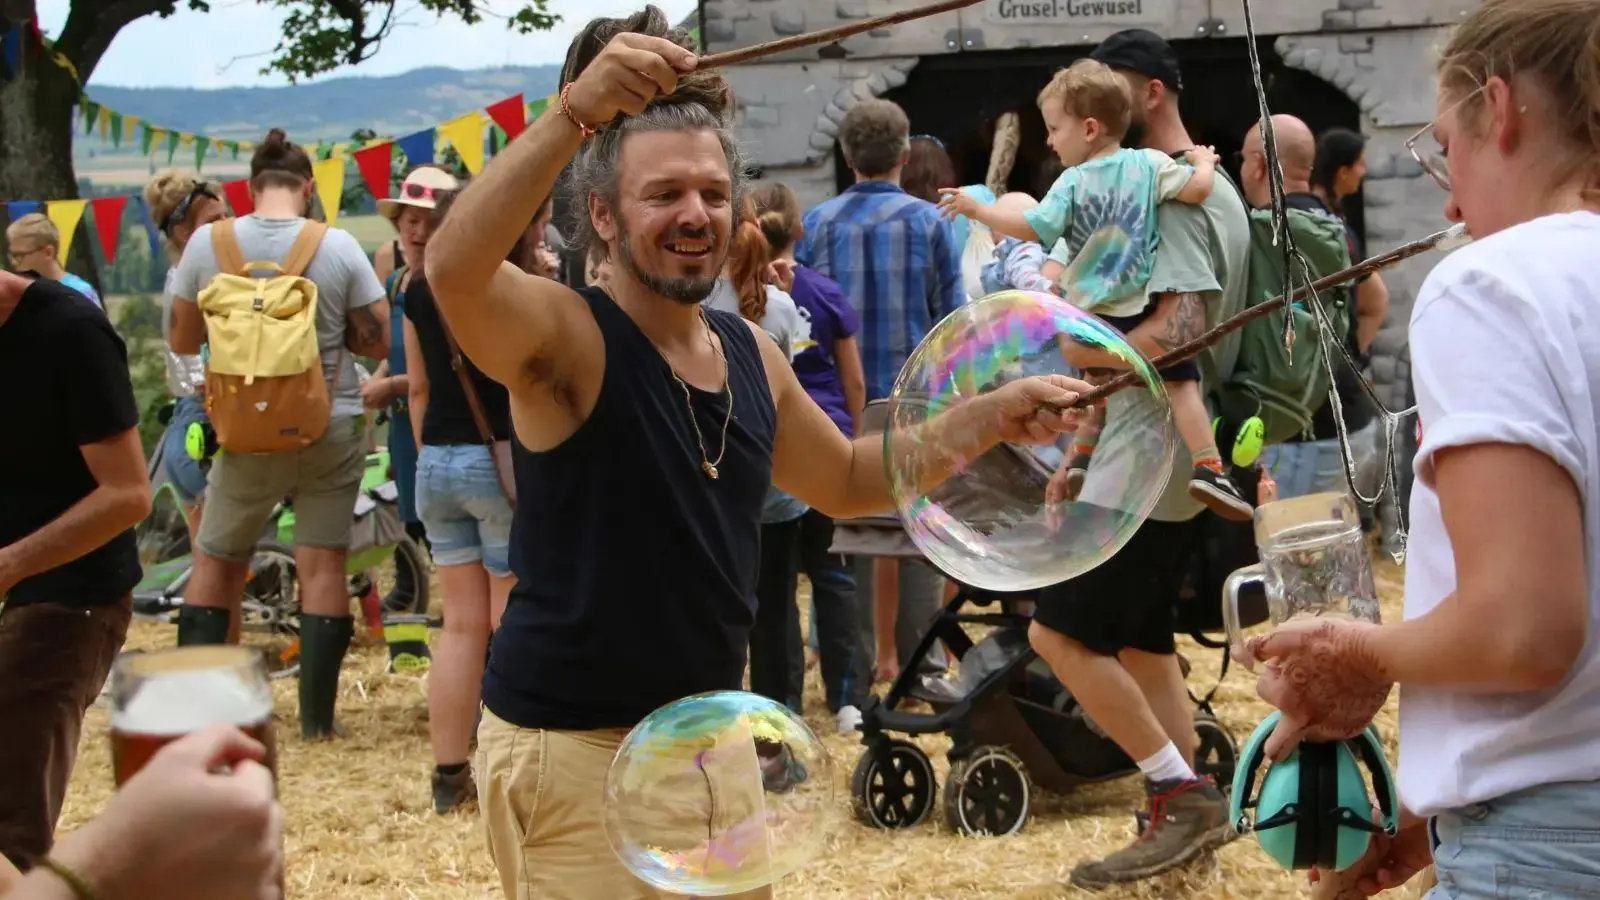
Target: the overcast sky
pixel 215 49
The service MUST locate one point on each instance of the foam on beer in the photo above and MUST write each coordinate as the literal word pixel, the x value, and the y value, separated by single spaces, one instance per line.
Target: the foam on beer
pixel 179 702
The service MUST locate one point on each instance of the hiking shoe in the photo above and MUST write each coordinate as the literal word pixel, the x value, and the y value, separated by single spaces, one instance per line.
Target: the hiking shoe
pixel 452 791
pixel 1077 471
pixel 1218 492
pixel 1186 820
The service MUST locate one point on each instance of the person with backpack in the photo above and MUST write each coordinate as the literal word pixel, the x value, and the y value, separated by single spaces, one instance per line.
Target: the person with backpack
pixel 1309 461
pixel 282 306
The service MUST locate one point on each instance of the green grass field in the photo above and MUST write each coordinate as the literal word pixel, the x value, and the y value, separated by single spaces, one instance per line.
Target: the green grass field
pixel 371 231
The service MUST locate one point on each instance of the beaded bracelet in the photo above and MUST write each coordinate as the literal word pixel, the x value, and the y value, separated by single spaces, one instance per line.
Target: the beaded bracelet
pixel 80 887
pixel 586 131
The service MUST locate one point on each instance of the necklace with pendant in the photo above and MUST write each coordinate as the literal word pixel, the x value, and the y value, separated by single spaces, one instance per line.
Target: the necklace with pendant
pixel 707 465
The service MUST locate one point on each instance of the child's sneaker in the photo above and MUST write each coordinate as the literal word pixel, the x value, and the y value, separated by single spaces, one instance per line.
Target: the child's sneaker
pixel 1218 492
pixel 1077 471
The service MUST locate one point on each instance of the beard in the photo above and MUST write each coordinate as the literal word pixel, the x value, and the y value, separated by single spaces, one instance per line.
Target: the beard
pixel 1136 132
pixel 685 289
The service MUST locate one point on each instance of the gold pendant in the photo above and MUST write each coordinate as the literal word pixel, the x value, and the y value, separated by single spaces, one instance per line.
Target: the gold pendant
pixel 709 469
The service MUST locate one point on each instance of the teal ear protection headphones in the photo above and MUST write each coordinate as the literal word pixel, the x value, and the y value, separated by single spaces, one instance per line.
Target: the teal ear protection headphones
pixel 1312 809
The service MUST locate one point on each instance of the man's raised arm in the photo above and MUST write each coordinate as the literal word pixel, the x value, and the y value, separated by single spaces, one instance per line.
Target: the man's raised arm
pixel 492 306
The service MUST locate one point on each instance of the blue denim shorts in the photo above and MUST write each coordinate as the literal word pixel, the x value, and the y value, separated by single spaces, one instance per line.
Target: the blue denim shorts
pixel 1543 842
pixel 459 500
pixel 183 471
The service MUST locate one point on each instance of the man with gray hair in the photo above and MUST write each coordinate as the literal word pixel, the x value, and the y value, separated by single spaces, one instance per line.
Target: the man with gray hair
pixel 648 429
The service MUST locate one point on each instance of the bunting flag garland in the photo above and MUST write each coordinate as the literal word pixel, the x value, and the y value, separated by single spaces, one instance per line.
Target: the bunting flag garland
pixel 417 147
pixel 510 114
pixel 108 223
pixel 65 214
pixel 238 196
pixel 328 175
pixel 16 209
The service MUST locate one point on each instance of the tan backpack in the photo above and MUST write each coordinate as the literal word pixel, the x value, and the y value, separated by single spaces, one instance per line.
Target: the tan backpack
pixel 265 391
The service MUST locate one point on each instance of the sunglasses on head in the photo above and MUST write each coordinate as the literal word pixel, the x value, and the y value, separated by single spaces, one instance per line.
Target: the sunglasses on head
pixel 414 191
pixel 181 211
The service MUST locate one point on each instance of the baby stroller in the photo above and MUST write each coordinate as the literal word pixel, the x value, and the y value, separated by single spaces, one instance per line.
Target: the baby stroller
pixel 1012 724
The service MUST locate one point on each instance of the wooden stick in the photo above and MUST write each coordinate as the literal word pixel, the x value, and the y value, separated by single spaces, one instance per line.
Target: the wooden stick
pixel 829 35
pixel 1189 349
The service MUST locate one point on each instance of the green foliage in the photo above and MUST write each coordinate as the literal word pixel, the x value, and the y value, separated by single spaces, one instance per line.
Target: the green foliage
pixel 139 323
pixel 322 35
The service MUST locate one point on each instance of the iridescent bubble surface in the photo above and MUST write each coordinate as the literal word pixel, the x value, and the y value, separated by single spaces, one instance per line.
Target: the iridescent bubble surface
pixel 991 525
pixel 718 794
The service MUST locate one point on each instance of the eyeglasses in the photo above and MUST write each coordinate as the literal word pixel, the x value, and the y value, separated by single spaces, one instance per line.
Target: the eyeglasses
pixel 17 256
pixel 181 211
pixel 1435 161
pixel 414 191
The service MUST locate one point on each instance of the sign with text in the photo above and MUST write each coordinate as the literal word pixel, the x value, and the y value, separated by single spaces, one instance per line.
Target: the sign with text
pixel 1076 12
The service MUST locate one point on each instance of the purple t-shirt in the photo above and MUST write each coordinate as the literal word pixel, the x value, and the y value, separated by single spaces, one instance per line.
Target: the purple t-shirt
pixel 832 318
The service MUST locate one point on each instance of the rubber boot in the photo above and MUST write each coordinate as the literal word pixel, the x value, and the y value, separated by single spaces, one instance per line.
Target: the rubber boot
pixel 323 642
pixel 198 625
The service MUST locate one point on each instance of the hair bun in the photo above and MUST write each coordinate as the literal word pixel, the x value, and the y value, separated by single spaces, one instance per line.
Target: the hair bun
pixel 708 88
pixel 276 138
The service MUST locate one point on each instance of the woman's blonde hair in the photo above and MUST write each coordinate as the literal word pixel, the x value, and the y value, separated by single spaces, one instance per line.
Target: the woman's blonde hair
pixel 1555 44
pixel 162 194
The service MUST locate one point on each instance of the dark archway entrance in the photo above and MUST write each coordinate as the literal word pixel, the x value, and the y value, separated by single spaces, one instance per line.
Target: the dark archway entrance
pixel 956 97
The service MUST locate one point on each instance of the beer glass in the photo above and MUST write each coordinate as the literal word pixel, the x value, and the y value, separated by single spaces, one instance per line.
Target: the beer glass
pixel 160 696
pixel 1314 562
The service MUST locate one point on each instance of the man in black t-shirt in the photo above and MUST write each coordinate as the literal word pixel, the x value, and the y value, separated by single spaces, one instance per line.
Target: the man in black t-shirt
pixel 1306 466
pixel 72 486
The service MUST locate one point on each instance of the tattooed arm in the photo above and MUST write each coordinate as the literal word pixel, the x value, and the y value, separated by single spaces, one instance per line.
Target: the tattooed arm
pixel 366 330
pixel 1177 319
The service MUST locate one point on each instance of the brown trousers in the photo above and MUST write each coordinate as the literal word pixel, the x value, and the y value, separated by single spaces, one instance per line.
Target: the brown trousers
pixel 53 661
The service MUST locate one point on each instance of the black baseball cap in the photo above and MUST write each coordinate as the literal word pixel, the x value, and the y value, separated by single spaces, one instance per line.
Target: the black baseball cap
pixel 1143 51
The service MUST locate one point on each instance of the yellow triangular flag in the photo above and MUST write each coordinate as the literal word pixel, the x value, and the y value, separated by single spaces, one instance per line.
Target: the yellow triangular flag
pixel 185 139
pixel 340 149
pixel 130 126
pixel 103 123
pixel 218 144
pixel 328 174
pixel 65 214
pixel 158 136
pixel 465 133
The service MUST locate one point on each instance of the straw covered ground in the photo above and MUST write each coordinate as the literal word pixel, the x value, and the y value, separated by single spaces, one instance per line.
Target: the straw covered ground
pixel 360 824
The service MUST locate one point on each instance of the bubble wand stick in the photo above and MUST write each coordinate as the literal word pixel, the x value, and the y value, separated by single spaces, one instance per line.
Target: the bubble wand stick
pixel 1189 349
pixel 829 35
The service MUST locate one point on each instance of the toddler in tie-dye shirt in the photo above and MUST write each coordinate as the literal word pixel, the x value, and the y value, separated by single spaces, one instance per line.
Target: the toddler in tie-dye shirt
pixel 1104 208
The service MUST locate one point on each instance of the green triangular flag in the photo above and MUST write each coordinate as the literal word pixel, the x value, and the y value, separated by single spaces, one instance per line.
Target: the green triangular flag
pixel 149 138
pixel 324 150
pixel 172 145
pixel 537 107
pixel 200 145
pixel 91 112
pixel 116 129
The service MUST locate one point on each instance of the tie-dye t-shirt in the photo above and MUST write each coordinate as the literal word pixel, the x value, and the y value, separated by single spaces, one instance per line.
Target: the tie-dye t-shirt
pixel 1104 210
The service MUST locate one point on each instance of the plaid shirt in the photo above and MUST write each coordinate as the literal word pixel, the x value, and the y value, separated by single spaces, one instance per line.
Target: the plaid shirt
pixel 897 261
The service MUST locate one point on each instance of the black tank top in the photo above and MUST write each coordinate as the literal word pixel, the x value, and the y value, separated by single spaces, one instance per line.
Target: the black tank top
pixel 635 572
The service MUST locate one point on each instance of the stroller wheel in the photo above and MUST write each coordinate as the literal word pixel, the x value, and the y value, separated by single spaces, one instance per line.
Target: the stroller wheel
pixel 1216 755
pixel 892 786
pixel 987 793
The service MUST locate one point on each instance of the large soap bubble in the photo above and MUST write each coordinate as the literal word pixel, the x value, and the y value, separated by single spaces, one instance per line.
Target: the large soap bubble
pixel 718 794
pixel 989 525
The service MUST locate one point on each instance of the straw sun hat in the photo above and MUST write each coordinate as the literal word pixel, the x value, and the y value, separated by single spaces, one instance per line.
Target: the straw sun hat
pixel 419 190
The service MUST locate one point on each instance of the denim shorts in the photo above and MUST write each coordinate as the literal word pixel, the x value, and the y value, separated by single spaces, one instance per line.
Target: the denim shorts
pixel 1310 467
pixel 1537 844
pixel 184 472
pixel 459 500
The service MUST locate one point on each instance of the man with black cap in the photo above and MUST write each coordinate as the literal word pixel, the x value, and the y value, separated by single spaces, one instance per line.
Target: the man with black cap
pixel 1108 634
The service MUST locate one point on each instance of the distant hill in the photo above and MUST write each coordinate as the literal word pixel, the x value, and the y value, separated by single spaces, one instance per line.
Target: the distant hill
pixel 330 109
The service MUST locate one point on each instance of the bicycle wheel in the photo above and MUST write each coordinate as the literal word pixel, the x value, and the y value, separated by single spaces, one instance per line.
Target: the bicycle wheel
pixel 269 615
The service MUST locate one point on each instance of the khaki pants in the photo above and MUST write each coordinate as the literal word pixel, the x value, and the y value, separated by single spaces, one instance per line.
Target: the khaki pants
pixel 542 794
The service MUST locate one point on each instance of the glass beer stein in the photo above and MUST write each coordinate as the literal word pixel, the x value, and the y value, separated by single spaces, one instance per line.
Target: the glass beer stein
pixel 1314 563
pixel 163 695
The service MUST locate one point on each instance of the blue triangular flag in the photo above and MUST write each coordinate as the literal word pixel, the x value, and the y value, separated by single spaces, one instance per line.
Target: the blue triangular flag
pixel 418 147
pixel 11 50
pixel 149 226
pixel 16 209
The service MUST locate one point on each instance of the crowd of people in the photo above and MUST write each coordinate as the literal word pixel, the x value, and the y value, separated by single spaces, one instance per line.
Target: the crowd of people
pixel 621 466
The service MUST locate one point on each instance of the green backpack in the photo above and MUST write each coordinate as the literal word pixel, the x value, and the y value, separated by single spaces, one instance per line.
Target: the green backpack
pixel 1284 389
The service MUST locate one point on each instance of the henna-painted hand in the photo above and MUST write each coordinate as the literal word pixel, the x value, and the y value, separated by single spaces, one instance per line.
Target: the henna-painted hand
pixel 1321 675
pixel 1388 863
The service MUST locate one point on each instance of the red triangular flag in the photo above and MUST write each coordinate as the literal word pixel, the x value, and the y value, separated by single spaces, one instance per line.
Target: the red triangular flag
pixel 375 164
pixel 510 115
pixel 108 223
pixel 238 193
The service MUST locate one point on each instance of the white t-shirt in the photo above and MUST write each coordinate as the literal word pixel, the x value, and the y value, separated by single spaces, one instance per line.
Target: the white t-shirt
pixel 1505 348
pixel 782 321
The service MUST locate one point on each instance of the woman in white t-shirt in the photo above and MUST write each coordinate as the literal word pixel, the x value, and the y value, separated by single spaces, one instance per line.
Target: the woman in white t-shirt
pixel 1499 654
